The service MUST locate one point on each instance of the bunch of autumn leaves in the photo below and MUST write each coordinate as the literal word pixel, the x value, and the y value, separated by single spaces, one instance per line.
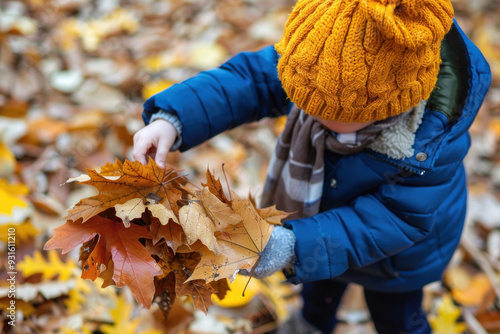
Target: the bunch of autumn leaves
pixel 150 229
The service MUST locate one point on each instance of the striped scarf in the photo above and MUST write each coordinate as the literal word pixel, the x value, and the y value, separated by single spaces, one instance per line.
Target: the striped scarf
pixel 296 172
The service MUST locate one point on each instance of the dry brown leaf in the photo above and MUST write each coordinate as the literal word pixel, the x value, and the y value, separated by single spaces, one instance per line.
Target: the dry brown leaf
pixel 273 215
pixel 221 287
pixel 219 212
pixel 137 181
pixel 215 187
pixel 240 246
pixel 182 265
pixel 194 220
pixel 172 233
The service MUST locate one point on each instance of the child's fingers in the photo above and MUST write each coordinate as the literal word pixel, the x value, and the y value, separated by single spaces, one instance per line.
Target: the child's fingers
pixel 140 150
pixel 161 152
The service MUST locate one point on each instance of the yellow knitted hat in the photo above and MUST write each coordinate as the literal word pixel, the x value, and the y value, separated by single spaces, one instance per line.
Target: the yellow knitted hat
pixel 362 60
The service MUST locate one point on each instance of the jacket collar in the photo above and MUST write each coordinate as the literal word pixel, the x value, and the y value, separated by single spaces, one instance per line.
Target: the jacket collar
pixel 463 80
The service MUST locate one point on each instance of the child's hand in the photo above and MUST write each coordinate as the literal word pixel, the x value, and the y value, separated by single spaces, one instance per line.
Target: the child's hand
pixel 155 141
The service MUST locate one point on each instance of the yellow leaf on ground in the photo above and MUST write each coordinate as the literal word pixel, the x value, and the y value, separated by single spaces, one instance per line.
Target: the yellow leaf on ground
pixel 445 320
pixel 78 295
pixel 49 268
pixel 13 208
pixel 23 232
pixel 121 317
pixel 7 160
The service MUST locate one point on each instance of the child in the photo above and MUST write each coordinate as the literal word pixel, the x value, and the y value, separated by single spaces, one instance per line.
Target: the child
pixel 379 103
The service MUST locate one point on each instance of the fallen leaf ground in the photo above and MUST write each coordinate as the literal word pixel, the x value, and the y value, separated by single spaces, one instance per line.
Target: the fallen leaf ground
pixel 73 77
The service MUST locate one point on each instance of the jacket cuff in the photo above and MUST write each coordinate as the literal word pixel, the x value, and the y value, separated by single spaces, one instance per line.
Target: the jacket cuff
pixel 174 120
pixel 311 252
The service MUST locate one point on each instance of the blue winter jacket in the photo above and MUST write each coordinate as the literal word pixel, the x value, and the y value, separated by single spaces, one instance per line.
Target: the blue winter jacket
pixel 389 225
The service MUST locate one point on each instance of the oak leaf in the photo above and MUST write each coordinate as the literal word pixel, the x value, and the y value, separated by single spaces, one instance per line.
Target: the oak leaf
pixel 48 268
pixel 133 266
pixel 137 181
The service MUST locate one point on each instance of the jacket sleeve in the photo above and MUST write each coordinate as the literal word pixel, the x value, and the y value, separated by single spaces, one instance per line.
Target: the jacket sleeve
pixel 244 89
pixel 374 226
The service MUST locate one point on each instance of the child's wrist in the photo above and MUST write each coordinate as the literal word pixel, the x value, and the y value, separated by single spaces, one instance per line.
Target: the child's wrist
pixel 174 121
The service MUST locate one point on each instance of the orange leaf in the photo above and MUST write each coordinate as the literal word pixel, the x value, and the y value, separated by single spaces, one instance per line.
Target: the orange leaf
pixel 112 169
pixel 137 181
pixel 133 266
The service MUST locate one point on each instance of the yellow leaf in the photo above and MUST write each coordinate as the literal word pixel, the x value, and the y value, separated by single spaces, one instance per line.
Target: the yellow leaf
pixel 78 295
pixel 67 330
pixel 121 318
pixel 24 231
pixel 155 87
pixel 54 266
pixel 7 160
pixel 25 307
pixel 12 206
pixel 445 321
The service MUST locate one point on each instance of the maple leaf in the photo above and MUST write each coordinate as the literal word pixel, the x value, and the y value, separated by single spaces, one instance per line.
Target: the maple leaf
pixel 135 207
pixel 240 246
pixel 112 169
pixel 137 181
pixel 219 212
pixel 172 233
pixel 197 225
pixel 203 216
pixel 273 215
pixel 133 266
pixel 215 187
pixel 221 287
pixel 182 265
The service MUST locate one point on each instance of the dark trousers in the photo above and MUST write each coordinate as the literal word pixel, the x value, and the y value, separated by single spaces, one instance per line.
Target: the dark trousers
pixel 392 313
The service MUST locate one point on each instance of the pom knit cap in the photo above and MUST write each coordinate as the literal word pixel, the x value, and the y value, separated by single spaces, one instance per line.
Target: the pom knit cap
pixel 362 60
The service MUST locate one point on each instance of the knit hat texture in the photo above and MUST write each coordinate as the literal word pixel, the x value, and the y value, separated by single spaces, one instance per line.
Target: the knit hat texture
pixel 362 60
